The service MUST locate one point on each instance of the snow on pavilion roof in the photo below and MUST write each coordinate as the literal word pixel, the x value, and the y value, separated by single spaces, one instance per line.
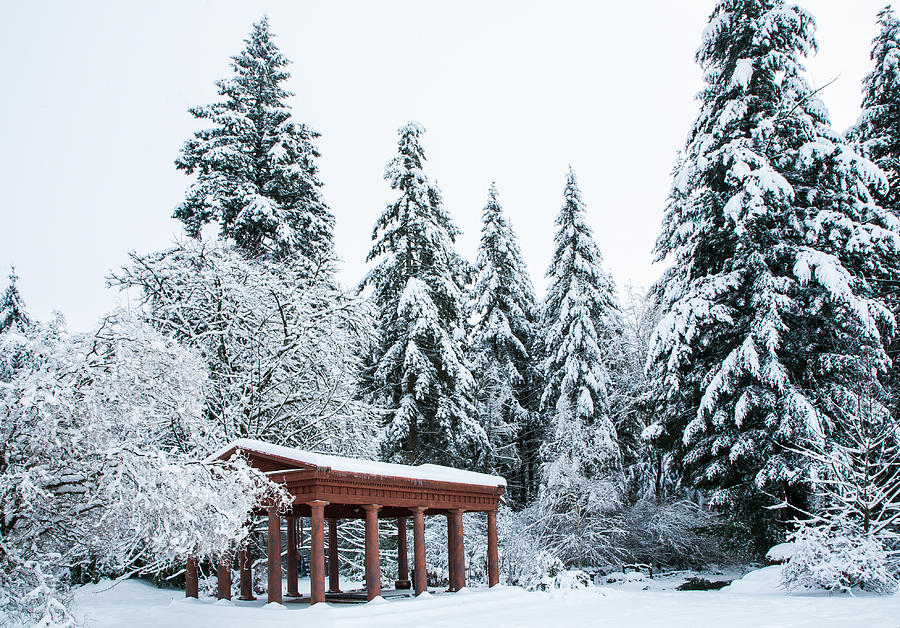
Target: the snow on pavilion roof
pixel 432 472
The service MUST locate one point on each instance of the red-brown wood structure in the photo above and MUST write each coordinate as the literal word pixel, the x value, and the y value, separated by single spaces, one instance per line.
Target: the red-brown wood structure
pixel 331 488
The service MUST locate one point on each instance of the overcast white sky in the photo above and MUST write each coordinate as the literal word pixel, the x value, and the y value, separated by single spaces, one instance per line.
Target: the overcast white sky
pixel 96 93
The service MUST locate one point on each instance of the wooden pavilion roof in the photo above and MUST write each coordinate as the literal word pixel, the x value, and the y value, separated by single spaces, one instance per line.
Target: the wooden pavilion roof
pixel 349 483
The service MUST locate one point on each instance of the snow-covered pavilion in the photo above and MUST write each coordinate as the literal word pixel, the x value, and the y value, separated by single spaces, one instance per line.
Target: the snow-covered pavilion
pixel 330 488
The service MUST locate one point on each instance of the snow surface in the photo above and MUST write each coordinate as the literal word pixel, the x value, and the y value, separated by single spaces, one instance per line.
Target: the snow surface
pixel 432 472
pixel 743 73
pixel 752 601
pixel 781 552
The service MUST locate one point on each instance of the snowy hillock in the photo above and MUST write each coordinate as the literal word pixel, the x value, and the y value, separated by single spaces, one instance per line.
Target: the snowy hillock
pixel 765 581
pixel 780 554
pixel 771 580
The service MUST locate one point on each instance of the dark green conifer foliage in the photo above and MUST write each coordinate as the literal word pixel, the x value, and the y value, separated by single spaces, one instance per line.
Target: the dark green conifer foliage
pixel 877 133
pixel 580 326
pixel 878 127
pixel 419 372
pixel 771 310
pixel 506 372
pixel 13 316
pixel 255 166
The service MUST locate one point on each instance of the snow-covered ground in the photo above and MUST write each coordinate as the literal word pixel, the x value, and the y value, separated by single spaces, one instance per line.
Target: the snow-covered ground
pixel 751 601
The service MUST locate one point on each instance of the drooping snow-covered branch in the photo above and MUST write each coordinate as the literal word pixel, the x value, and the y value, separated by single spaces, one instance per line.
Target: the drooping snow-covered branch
pixel 100 467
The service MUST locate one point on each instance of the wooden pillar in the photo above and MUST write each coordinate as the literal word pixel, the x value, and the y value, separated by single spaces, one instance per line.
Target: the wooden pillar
pixel 334 565
pixel 456 550
pixel 191 581
pixel 292 588
pixel 223 577
pixel 493 558
pixel 451 551
pixel 373 566
pixel 274 555
pixel 402 560
pixel 246 562
pixel 421 575
pixel 460 551
pixel 317 552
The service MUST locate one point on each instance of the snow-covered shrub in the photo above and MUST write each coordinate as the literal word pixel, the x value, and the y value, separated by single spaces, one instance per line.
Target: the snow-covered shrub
pixel 676 533
pixel 524 561
pixel 547 572
pixel 854 469
pixel 282 349
pixel 837 557
pixel 31 589
pixel 574 517
pixel 90 477
pixel 518 546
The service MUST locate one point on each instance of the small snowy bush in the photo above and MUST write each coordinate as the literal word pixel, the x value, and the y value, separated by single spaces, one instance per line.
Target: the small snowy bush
pixel 837 557
pixel 548 572
pixel 677 533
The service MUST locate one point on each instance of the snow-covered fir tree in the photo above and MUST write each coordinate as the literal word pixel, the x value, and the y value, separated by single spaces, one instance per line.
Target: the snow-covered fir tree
pixel 501 350
pixel 771 306
pixel 581 323
pixel 877 132
pixel 13 315
pixel 255 166
pixel 419 374
pixel 14 325
pixel 878 127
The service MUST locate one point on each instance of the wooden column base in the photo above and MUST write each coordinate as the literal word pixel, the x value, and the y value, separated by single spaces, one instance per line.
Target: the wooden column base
pixel 373 566
pixel 334 579
pixel 223 575
pixel 246 562
pixel 273 594
pixel 191 580
pixel 317 551
pixel 402 584
pixel 291 558
pixel 420 575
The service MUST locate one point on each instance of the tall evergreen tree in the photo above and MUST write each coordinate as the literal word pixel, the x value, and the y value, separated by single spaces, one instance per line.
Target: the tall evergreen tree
pixel 501 348
pixel 878 127
pixel 581 323
pixel 420 375
pixel 877 133
pixel 13 315
pixel 255 167
pixel 770 308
